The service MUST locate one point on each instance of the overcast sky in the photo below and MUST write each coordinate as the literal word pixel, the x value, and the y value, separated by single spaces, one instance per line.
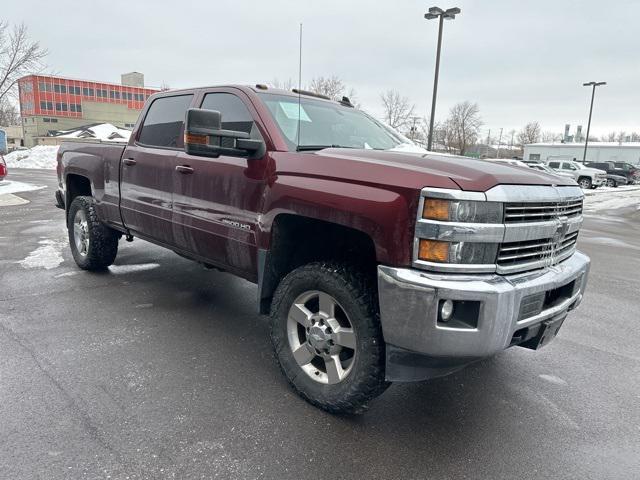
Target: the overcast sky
pixel 520 61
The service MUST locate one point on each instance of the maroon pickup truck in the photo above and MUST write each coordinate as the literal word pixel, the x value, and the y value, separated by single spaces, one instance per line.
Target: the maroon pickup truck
pixel 377 262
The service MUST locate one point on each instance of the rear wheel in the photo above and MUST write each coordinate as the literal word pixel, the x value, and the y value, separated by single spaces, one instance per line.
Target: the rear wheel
pixel 584 182
pixel 94 246
pixel 611 183
pixel 326 334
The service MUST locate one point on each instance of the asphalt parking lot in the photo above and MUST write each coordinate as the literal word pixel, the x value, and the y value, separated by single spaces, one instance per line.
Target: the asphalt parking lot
pixel 161 369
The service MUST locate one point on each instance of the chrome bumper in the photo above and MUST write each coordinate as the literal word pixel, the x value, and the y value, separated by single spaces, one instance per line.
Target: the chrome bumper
pixel 409 302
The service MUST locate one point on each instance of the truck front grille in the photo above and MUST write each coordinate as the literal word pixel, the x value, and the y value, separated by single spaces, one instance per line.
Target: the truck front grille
pixel 540 212
pixel 516 256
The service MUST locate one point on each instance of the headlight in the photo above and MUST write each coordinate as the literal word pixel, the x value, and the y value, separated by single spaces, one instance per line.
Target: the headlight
pixel 464 211
pixel 457 252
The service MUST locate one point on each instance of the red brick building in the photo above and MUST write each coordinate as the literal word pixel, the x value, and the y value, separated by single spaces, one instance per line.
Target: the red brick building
pixel 57 103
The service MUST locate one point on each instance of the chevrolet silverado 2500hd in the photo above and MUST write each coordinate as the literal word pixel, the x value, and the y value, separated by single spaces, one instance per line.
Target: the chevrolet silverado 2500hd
pixel 376 264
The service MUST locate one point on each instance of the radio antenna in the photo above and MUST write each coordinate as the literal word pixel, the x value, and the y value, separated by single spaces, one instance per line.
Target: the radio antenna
pixel 299 84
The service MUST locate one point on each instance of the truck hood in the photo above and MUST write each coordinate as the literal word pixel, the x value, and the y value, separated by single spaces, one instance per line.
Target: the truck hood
pixel 431 169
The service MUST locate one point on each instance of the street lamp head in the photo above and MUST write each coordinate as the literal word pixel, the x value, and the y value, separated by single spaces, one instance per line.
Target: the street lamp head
pixel 436 11
pixel 430 16
pixel 453 11
pixel 593 84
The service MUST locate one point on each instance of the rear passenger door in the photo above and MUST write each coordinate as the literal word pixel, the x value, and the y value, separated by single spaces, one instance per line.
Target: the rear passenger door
pixel 216 201
pixel 147 169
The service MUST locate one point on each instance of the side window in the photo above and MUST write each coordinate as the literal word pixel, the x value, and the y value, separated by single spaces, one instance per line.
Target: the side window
pixel 554 164
pixel 164 121
pixel 235 115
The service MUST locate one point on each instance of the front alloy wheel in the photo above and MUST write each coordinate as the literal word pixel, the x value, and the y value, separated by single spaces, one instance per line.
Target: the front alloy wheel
pixel 326 335
pixel 321 337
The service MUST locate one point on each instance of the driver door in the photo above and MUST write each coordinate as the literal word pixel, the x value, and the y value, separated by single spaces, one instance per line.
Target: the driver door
pixel 217 200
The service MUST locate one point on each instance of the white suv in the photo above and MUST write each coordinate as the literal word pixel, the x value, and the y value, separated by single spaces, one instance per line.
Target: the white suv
pixel 585 176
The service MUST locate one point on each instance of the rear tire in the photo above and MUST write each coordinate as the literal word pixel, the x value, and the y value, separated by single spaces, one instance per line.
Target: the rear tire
pixel 584 182
pixel 328 314
pixel 94 246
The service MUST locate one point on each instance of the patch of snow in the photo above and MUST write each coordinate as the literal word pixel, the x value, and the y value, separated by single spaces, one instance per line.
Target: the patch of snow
pixel 40 156
pixel 139 267
pixel 103 131
pixel 612 198
pixel 10 200
pixel 17 187
pixel 48 255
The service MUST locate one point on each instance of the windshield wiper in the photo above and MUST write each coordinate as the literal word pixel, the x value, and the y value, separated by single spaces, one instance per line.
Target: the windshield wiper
pixel 308 148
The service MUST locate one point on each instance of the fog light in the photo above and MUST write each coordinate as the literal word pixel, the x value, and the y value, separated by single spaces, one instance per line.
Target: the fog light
pixel 446 310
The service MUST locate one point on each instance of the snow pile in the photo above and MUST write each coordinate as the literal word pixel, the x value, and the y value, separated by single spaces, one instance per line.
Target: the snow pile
pixel 41 156
pixel 7 187
pixel 103 131
pixel 604 198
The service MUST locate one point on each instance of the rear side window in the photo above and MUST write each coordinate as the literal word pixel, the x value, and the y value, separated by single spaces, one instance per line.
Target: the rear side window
pixel 163 125
pixel 235 115
pixel 554 164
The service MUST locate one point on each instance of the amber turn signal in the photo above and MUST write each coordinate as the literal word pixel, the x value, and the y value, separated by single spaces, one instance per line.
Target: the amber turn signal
pixel 433 251
pixel 195 139
pixel 435 209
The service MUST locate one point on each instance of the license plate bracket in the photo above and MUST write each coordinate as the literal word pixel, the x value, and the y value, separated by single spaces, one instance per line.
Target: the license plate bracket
pixel 547 332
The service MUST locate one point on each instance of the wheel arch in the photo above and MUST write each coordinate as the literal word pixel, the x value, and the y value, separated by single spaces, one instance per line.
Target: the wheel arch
pixel 297 240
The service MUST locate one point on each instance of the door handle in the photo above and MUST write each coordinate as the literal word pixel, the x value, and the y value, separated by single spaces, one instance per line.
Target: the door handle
pixel 129 161
pixel 184 169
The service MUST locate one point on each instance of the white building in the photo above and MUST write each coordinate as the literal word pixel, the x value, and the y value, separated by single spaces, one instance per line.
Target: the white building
pixel 596 152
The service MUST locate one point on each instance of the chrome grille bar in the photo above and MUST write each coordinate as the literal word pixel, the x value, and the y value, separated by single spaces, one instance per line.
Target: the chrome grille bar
pixel 526 212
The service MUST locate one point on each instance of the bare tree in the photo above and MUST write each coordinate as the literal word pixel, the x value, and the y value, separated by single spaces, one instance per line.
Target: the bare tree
pixel 397 109
pixel 19 56
pixel 8 113
pixel 620 137
pixel 551 137
pixel 463 126
pixel 331 87
pixel 283 85
pixel 530 133
pixel 609 137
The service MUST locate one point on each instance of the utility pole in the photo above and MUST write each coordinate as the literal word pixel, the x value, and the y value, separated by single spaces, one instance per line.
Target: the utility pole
pixel 499 140
pixel 593 94
pixel 486 150
pixel 449 14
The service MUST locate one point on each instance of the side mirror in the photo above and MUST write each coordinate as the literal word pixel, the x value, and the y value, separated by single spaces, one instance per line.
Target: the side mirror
pixel 204 136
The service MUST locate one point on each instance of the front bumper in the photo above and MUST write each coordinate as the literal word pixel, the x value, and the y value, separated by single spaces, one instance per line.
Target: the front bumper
pixel 410 299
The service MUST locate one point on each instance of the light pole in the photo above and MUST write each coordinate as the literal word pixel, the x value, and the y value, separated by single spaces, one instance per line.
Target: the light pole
pixel 593 94
pixel 449 14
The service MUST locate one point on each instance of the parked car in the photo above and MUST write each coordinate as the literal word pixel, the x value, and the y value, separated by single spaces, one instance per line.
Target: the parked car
pixel 545 168
pixel 615 176
pixel 632 171
pixel 375 265
pixel 3 168
pixel 585 176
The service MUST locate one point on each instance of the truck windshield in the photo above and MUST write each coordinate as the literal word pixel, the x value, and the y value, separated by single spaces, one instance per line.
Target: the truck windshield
pixel 326 124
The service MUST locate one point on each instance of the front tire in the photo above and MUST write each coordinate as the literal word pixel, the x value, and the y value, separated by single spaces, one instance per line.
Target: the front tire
pixel 585 183
pixel 94 246
pixel 326 335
